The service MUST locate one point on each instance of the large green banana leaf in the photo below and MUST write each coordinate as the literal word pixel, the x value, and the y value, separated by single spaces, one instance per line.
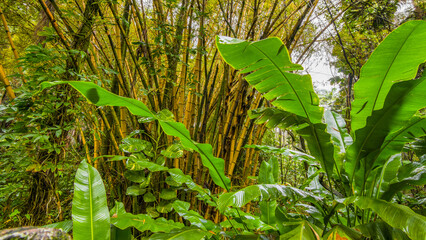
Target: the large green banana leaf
pixel 268 65
pixel 372 145
pixel 396 59
pixel 394 142
pixel 101 97
pixel 90 215
pixel 397 216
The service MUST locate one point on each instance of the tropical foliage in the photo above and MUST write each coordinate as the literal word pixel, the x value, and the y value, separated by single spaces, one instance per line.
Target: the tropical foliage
pixel 160 130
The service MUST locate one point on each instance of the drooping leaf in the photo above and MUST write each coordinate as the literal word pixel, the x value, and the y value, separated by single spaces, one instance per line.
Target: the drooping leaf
pixel 261 192
pixel 268 65
pixel 90 213
pixel 123 220
pixel 284 151
pixel 397 216
pixel 182 208
pixel 101 97
pixel 396 59
pixel 179 177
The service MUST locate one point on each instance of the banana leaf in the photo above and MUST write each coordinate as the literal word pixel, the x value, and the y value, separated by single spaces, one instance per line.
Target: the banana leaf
pixel 397 216
pixel 90 215
pixel 101 97
pixel 373 146
pixel 268 65
pixel 396 59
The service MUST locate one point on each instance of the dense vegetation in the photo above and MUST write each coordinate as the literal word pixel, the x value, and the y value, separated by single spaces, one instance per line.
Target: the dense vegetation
pixel 131 120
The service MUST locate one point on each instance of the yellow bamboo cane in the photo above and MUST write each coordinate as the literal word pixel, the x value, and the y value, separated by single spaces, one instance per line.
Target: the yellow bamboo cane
pixel 6 83
pixel 12 45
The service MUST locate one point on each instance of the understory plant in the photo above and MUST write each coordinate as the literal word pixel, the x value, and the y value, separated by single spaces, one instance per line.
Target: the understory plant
pixel 351 191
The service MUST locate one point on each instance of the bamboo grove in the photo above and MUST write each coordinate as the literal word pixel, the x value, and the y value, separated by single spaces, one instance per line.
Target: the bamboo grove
pixel 162 53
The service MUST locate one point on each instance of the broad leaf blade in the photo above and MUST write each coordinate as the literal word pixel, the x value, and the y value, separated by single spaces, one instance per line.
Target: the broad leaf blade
pixel 269 63
pixel 396 59
pixel 401 104
pixel 397 216
pixel 90 213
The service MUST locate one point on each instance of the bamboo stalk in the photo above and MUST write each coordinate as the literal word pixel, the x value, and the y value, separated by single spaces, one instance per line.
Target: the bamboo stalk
pixel 12 45
pixel 5 81
pixel 83 140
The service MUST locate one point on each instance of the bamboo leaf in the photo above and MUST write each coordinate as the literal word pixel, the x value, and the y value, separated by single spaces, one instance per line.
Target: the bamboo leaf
pixel 90 213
